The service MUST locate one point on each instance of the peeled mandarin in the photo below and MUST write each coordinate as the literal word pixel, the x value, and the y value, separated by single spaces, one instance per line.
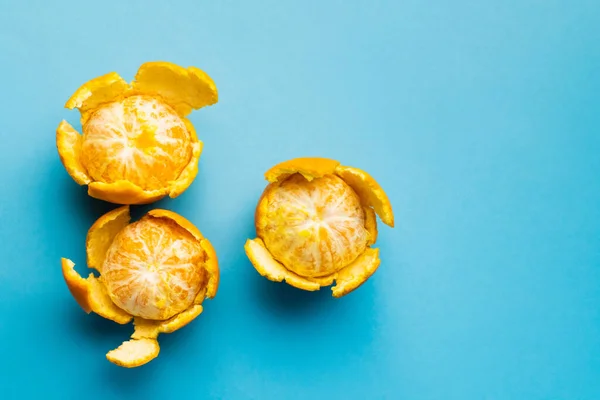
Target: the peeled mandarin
pixel 315 227
pixel 137 139
pixel 153 269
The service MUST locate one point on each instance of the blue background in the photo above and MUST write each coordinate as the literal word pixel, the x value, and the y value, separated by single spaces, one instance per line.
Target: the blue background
pixel 479 118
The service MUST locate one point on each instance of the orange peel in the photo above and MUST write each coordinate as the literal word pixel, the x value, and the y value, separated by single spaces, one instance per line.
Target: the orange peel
pixel 316 222
pixel 156 271
pixel 137 145
pixel 369 191
pixel 309 167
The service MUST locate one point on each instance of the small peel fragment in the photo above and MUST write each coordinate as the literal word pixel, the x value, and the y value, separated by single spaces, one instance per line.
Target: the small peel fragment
pixel 78 286
pixel 180 320
pixel 134 353
pixel 124 192
pixel 369 191
pixel 271 269
pixel 68 144
pixel 212 266
pixel 101 234
pixel 91 294
pixel 370 225
pixel 145 328
pixel 309 167
pixel 185 89
pixel 143 346
pixel 356 273
pixel 95 92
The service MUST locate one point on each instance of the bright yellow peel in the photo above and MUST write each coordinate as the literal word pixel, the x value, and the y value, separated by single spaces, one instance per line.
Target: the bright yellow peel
pixel 316 224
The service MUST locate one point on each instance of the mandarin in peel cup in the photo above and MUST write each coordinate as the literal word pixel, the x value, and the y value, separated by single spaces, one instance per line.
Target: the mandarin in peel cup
pixel 137 145
pixel 316 224
pixel 156 271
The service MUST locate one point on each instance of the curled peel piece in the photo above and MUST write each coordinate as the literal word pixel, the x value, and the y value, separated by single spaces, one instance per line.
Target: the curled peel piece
pixel 91 294
pixel 96 92
pixel 357 273
pixel 68 144
pixel 309 167
pixel 123 192
pixel 347 279
pixel 271 269
pixel 143 346
pixel 151 329
pixel 369 191
pixel 134 353
pixel 185 89
pixel 102 233
pixel 370 225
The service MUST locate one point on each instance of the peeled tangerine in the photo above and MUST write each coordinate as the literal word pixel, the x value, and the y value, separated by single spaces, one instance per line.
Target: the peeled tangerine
pixel 156 271
pixel 316 223
pixel 137 144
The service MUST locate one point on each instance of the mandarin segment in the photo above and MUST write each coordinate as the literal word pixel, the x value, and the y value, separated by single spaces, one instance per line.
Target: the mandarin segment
pixel 188 174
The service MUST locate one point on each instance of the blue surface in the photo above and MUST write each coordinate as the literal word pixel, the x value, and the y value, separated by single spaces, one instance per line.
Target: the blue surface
pixel 479 118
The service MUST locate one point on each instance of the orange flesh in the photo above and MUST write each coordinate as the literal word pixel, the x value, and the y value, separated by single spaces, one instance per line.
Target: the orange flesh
pixel 313 228
pixel 138 139
pixel 154 269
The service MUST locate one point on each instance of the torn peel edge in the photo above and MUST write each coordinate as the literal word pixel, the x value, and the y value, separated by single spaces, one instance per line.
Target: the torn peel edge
pixel 78 286
pixel 102 233
pixel 268 267
pixel 124 192
pixel 96 92
pixel 184 89
pixel 309 167
pixel 68 144
pixel 346 280
pixel 356 273
pixel 369 191
pixel 134 353
pixel 189 173
pixel 91 294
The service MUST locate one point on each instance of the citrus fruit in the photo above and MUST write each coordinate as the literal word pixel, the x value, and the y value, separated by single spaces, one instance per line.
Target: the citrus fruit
pixel 137 145
pixel 316 224
pixel 156 271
